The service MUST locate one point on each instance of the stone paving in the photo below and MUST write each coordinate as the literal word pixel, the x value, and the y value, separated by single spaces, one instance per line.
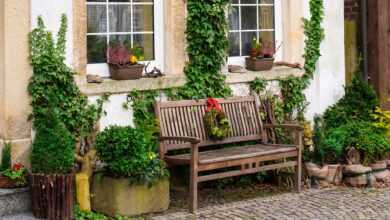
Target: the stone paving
pixel 336 203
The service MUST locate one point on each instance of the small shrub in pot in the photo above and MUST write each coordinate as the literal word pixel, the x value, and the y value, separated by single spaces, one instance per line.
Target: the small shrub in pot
pixel 131 168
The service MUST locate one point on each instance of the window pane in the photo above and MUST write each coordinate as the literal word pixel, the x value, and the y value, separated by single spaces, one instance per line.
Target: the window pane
pixel 96 0
pixel 234 18
pixel 97 47
pixel 246 39
pixel 121 40
pixel 146 42
pixel 97 19
pixel 267 37
pixel 248 2
pixel 248 18
pixel 143 17
pixel 142 0
pixel 266 17
pixel 234 44
pixel 235 2
pixel 120 18
pixel 266 1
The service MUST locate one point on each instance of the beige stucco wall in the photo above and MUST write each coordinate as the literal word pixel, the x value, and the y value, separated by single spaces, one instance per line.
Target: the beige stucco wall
pixel 15 72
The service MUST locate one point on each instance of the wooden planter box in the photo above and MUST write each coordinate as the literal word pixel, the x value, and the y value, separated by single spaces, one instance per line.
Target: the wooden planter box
pixel 128 72
pixel 116 196
pixel 259 64
pixel 52 196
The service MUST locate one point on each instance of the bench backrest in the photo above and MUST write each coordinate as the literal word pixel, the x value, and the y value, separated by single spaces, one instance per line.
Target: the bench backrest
pixel 185 118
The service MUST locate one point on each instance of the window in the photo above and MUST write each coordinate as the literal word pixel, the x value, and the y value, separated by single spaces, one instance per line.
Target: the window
pixel 134 23
pixel 250 19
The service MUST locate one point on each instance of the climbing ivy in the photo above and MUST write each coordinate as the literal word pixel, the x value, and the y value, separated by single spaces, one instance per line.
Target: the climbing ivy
pixel 293 87
pixel 207 46
pixel 52 85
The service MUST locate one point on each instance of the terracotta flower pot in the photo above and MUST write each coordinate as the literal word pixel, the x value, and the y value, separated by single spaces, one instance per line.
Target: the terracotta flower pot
pixel 52 196
pixel 127 72
pixel 259 64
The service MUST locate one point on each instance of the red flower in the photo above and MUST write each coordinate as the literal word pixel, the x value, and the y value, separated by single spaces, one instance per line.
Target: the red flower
pixel 17 166
pixel 213 104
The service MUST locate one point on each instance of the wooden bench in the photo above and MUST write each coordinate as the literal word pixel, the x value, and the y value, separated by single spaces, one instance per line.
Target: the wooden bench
pixel 181 124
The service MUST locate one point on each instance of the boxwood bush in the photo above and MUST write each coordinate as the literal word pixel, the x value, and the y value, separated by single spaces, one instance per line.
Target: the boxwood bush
pixel 53 147
pixel 126 153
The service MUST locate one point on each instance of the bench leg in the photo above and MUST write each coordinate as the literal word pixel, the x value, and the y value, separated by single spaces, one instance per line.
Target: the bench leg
pixel 193 190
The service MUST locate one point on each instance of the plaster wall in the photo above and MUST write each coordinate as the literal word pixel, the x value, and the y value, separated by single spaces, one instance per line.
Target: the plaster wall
pixel 51 12
pixel 328 84
pixel 15 72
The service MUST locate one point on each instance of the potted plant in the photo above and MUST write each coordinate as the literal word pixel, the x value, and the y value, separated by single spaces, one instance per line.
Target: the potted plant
pixel 123 62
pixel 52 163
pixel 11 177
pixel 134 181
pixel 261 56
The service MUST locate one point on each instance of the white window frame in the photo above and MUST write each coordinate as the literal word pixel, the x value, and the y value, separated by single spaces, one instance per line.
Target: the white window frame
pixel 240 60
pixel 102 70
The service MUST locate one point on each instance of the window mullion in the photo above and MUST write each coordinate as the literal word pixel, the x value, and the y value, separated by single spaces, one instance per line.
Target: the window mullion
pixel 257 20
pixel 239 27
pixel 107 28
pixel 132 24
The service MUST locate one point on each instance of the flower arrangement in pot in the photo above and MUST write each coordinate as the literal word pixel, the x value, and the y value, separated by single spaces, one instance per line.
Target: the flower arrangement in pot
pixel 11 176
pixel 123 62
pixel 261 56
pixel 133 181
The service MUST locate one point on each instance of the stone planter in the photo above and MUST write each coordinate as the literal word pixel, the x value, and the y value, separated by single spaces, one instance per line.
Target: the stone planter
pixel 335 174
pixel 128 72
pixel 116 196
pixel 259 64
pixel 357 175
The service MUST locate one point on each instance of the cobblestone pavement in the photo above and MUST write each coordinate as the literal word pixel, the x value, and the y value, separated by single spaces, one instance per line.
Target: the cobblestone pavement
pixel 336 203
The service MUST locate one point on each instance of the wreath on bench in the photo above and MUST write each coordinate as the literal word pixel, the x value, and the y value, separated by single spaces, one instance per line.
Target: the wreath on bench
pixel 216 123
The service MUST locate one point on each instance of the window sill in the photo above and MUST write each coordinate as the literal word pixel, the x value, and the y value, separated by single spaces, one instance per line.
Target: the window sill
pixel 174 81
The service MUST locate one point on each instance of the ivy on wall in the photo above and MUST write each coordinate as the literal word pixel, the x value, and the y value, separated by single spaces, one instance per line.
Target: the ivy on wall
pixel 293 87
pixel 52 85
pixel 207 46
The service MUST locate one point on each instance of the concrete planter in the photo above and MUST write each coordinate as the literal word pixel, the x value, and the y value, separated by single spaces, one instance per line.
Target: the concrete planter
pixel 116 196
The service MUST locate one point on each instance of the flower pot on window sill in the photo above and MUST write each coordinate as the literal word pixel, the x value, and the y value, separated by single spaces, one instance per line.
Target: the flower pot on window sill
pixel 126 72
pixel 259 64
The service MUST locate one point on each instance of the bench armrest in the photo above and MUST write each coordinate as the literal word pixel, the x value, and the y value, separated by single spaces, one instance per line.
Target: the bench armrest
pixel 287 126
pixel 192 140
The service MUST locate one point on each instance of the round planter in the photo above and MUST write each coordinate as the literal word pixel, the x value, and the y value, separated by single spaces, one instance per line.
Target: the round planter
pixel 52 196
pixel 128 72
pixel 357 175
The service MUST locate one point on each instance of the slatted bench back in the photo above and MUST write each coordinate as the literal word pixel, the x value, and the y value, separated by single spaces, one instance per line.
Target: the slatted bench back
pixel 185 118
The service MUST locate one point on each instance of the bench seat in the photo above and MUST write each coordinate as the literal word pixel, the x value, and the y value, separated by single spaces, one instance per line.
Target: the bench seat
pixel 235 153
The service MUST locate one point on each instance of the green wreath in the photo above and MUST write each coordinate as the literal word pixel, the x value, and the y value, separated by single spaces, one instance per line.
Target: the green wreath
pixel 217 125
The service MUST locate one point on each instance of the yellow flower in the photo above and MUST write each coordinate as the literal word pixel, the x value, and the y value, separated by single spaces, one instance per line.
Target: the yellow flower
pixel 152 155
pixel 133 59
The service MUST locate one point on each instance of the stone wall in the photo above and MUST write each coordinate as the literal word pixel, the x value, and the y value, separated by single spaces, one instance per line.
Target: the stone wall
pixel 15 73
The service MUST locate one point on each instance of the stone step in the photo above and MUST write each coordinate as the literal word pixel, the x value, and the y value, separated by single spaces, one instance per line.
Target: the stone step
pixel 14 201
